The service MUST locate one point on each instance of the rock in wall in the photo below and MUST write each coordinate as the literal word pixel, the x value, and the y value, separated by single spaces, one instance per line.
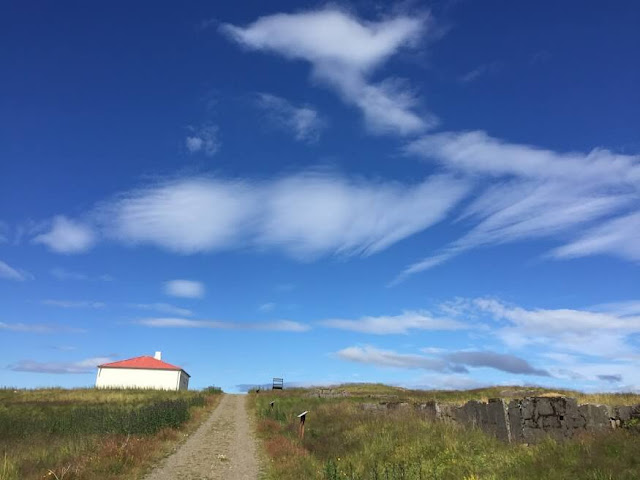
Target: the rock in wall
pixel 531 419
pixel 526 420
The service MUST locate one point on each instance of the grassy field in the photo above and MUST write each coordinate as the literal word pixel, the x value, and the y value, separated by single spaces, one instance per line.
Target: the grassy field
pixel 89 434
pixel 342 441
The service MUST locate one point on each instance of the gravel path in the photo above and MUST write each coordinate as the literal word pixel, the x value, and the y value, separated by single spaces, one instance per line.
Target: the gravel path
pixel 223 447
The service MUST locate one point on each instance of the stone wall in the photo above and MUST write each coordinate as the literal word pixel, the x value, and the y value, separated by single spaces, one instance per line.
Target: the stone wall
pixel 526 420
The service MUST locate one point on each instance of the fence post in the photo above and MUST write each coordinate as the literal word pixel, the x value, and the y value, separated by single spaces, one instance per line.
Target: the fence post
pixel 302 418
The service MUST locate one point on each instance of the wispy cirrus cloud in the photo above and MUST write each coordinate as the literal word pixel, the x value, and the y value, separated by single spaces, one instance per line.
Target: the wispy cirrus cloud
pixel 83 366
pixel 345 59
pixel 266 307
pixel 163 308
pixel 536 193
pixel 38 328
pixel 64 274
pixel 279 325
pixel 73 303
pixel 305 215
pixel 395 324
pixel 304 122
pixel 594 346
pixel 480 71
pixel 592 332
pixel 476 152
pixel 619 237
pixel 7 272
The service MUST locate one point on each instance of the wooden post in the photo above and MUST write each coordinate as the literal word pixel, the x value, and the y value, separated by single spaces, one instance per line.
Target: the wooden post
pixel 302 418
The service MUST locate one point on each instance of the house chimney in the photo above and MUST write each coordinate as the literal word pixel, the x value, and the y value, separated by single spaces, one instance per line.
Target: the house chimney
pixel 158 356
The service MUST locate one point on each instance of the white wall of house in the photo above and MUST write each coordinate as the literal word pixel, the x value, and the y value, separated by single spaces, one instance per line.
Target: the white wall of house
pixel 142 378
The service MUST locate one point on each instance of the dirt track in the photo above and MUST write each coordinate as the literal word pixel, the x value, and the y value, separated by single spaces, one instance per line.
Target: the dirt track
pixel 224 447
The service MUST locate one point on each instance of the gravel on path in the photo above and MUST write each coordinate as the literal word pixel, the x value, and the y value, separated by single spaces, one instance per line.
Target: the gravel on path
pixel 223 447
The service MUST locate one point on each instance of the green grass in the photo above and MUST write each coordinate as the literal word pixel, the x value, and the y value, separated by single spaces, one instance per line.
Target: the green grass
pixel 89 433
pixel 342 441
pixel 362 391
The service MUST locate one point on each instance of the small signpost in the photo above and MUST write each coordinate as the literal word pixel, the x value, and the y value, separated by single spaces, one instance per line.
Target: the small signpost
pixel 278 384
pixel 302 418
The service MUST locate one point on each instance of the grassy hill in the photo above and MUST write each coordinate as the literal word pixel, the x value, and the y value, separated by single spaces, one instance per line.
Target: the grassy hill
pixel 345 441
pixel 89 433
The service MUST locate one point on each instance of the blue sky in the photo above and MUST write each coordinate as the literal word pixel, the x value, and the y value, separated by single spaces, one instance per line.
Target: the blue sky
pixel 434 195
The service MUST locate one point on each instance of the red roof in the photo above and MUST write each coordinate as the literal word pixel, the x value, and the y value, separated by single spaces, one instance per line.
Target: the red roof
pixel 145 362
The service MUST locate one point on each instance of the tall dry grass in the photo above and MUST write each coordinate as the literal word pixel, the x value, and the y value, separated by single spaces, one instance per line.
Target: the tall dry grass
pixel 88 434
pixel 343 441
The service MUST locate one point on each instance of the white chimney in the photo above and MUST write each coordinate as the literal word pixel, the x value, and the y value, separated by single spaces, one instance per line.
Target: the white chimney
pixel 158 356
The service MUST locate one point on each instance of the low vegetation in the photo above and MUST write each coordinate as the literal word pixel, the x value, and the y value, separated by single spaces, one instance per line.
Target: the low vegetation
pixel 343 441
pixel 89 433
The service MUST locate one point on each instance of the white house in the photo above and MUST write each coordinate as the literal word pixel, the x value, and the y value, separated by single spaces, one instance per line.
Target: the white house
pixel 142 372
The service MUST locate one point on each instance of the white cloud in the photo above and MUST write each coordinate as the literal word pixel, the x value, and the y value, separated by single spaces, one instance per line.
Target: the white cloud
pixel 163 308
pixel 184 288
pixel 629 307
pixel 588 332
pixel 204 139
pixel 456 362
pixel 305 215
pixel 477 152
pixel 188 215
pixel 73 303
pixel 562 319
pixel 267 307
pixel 10 273
pixel 480 71
pixel 63 274
pixel 67 236
pixel 608 374
pixel 311 215
pixel 37 328
pixel 398 324
pixel 618 237
pixel 539 193
pixel 499 361
pixel 303 121
pixel 388 358
pixel 83 366
pixel 279 325
pixel 343 51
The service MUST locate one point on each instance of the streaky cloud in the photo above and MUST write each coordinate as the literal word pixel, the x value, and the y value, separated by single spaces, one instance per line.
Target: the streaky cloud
pixel 278 325
pixel 304 215
pixel 536 193
pixel 7 272
pixel 343 51
pixel 398 324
